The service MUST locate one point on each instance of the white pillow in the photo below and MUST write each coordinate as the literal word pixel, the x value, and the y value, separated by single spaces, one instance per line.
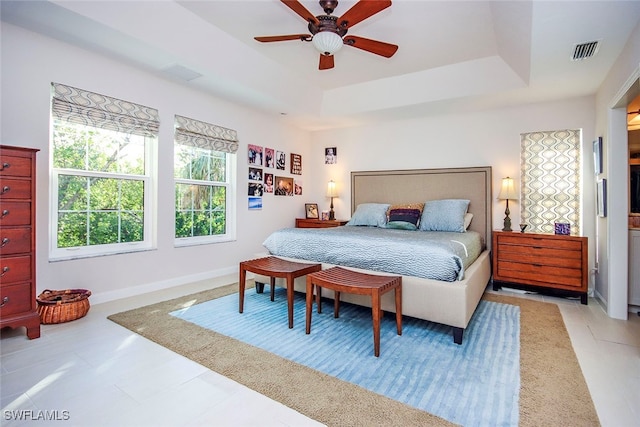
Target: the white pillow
pixel 467 220
pixel 370 215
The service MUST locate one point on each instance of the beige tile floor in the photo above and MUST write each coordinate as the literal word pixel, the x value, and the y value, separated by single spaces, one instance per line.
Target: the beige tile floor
pixel 97 373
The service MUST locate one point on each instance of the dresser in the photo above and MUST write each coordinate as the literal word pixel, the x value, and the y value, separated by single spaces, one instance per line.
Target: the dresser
pixel 318 223
pixel 17 240
pixel 541 262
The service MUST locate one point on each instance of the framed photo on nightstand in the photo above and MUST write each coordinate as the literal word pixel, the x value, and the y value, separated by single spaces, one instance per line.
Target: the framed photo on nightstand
pixel 311 210
pixel 563 228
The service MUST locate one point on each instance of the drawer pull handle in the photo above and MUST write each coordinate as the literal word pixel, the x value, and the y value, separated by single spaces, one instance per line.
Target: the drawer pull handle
pixel 5 270
pixel 5 242
pixel 5 212
pixel 5 165
pixel 5 300
pixel 6 189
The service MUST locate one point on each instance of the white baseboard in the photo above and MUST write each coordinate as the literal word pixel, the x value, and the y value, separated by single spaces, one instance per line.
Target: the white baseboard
pixel 103 297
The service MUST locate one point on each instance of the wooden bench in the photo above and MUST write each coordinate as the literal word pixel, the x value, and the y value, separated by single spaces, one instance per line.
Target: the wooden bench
pixel 342 280
pixel 275 267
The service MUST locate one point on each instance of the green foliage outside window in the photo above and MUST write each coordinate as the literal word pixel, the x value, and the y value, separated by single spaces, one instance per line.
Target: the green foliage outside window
pixel 200 192
pixel 100 175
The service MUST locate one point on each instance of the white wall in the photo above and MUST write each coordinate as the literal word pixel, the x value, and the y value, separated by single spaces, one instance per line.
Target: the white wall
pixel 612 282
pixel 488 138
pixel 31 62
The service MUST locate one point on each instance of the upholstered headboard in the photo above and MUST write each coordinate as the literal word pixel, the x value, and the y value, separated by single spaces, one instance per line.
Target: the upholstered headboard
pixel 421 185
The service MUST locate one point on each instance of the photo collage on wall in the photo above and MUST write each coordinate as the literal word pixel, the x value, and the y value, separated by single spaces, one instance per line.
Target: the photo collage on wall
pixel 267 174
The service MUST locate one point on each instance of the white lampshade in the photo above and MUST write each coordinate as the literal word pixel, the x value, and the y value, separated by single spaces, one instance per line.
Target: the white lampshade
pixel 508 190
pixel 327 42
pixel 331 189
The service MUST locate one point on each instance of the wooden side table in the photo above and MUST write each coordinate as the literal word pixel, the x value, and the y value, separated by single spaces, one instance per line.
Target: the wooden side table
pixel 318 223
pixel 541 261
pixel 275 267
pixel 352 282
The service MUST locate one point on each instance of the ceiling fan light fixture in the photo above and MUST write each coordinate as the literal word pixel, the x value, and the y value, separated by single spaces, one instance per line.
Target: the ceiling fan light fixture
pixel 327 42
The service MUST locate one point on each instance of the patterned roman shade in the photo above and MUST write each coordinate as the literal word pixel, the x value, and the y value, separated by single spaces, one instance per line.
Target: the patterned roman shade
pixel 92 109
pixel 195 133
pixel 550 180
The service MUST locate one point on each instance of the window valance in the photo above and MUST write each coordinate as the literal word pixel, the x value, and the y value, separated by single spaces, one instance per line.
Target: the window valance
pixel 92 109
pixel 195 133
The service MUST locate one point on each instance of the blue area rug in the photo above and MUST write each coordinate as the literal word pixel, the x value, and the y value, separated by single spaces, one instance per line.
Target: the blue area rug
pixel 473 384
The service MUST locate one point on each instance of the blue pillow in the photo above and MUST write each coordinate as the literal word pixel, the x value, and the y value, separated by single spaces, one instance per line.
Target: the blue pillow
pixel 370 215
pixel 444 215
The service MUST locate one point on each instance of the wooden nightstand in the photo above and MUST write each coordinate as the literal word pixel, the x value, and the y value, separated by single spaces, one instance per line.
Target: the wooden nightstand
pixel 318 223
pixel 541 261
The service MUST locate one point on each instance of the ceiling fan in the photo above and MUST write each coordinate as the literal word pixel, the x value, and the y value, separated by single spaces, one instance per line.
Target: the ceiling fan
pixel 328 32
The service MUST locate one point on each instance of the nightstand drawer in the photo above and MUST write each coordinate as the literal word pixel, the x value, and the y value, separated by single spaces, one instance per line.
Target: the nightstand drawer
pixel 541 256
pixel 530 241
pixel 540 273
pixel 317 223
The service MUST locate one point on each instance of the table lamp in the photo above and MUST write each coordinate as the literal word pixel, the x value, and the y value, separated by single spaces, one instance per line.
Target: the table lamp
pixel 507 192
pixel 331 192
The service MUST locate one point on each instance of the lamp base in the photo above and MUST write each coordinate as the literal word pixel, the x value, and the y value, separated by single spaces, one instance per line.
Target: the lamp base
pixel 507 224
pixel 507 220
pixel 332 214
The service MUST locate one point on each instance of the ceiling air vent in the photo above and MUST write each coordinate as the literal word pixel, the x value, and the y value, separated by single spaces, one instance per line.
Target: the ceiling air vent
pixel 585 50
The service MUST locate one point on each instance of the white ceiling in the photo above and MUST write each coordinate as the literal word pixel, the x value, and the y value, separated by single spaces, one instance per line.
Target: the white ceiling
pixel 453 55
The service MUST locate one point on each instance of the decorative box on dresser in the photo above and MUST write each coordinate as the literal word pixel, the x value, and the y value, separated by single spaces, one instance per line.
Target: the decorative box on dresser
pixel 17 239
pixel 541 262
pixel 318 223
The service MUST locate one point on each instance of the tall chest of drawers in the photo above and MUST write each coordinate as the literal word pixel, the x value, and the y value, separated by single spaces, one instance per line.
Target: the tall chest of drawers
pixel 17 239
pixel 541 261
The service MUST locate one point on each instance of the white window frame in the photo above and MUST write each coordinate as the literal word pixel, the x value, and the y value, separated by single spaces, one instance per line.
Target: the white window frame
pixel 230 206
pixel 150 181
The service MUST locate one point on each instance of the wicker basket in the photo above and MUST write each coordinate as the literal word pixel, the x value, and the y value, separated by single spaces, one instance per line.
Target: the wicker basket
pixel 63 306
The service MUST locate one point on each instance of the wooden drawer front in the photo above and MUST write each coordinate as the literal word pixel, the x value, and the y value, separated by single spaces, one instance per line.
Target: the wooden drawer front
pixel 15 269
pixel 15 166
pixel 15 240
pixel 15 213
pixel 536 273
pixel 15 189
pixel 539 242
pixel 541 256
pixel 16 299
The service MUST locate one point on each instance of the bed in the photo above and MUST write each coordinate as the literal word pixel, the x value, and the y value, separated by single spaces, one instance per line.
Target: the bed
pixel 447 300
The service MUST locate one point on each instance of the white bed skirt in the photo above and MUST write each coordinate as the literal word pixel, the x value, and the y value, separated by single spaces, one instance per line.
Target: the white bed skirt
pixel 449 303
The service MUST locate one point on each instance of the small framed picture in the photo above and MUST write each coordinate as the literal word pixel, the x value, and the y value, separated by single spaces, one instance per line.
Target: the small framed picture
pixel 325 215
pixel 597 155
pixel 311 210
pixel 562 228
pixel 602 198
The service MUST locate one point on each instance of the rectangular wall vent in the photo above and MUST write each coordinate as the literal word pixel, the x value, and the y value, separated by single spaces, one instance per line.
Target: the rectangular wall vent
pixel 585 50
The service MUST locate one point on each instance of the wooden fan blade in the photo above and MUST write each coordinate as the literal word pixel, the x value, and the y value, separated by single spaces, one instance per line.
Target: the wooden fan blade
pixel 267 39
pixel 379 48
pixel 326 62
pixel 361 11
pixel 298 8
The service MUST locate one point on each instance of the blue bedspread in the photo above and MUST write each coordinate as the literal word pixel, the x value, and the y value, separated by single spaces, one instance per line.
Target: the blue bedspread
pixel 427 254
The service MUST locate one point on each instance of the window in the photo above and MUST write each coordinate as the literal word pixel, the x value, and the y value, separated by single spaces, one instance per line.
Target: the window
pixel 204 173
pixel 101 174
pixel 550 165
